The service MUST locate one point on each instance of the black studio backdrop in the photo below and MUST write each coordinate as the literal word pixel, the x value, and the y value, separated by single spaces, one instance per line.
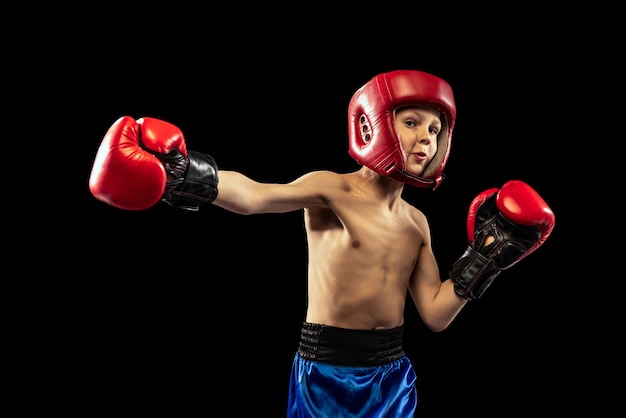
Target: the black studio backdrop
pixel 181 310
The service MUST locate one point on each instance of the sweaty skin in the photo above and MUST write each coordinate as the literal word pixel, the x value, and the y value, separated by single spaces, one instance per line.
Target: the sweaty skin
pixel 367 246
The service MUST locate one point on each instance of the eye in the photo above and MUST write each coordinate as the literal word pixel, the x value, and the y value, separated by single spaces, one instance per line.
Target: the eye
pixel 434 131
pixel 410 122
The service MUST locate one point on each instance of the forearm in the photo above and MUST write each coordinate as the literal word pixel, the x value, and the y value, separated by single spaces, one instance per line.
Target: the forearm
pixel 443 307
pixel 237 193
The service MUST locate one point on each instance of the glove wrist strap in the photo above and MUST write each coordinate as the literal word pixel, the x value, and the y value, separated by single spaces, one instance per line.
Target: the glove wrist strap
pixel 197 186
pixel 472 274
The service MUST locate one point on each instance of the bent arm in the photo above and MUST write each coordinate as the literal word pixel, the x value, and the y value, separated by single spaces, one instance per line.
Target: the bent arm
pixel 240 194
pixel 436 301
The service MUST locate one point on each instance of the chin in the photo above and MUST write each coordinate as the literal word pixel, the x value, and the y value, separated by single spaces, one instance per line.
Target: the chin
pixel 415 171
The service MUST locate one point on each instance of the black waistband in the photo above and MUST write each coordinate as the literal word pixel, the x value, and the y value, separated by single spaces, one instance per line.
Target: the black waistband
pixel 349 347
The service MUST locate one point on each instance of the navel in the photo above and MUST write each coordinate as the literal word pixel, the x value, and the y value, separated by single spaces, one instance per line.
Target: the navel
pixel 356 243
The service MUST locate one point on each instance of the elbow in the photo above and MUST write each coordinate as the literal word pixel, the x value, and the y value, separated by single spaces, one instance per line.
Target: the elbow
pixel 436 328
pixel 436 325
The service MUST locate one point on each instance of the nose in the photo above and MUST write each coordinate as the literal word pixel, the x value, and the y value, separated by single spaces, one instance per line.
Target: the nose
pixel 424 137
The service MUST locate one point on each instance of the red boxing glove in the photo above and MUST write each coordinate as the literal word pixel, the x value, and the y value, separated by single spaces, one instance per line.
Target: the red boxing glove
pixel 125 175
pixel 140 162
pixel 503 227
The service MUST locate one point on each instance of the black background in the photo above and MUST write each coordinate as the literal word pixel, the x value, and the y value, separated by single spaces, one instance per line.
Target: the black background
pixel 164 311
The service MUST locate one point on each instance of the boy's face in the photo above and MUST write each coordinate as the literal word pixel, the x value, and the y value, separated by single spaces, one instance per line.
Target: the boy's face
pixel 418 127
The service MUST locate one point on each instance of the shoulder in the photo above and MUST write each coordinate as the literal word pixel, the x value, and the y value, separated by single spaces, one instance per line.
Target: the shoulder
pixel 325 178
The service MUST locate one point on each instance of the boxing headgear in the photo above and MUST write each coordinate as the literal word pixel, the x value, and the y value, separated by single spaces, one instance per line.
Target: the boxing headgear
pixel 374 141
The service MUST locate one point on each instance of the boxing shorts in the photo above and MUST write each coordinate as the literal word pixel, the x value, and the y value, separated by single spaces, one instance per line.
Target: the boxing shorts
pixel 340 372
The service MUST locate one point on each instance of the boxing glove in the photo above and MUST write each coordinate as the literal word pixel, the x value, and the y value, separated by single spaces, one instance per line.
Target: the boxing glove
pixel 140 162
pixel 503 227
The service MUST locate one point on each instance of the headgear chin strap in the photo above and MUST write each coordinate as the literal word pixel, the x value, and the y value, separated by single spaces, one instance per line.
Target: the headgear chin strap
pixel 373 139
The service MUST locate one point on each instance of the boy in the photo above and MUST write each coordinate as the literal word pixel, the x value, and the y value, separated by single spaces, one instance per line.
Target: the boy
pixel 367 246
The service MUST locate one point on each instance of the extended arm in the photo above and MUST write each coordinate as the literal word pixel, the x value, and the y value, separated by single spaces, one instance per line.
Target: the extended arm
pixel 144 161
pixel 240 194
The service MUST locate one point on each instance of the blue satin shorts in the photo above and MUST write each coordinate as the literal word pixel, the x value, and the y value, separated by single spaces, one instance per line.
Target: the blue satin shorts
pixel 326 381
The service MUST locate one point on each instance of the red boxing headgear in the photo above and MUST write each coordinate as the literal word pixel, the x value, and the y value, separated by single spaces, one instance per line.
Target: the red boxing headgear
pixel 374 141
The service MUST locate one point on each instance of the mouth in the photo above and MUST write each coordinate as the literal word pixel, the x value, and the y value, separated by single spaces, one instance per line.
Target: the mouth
pixel 420 156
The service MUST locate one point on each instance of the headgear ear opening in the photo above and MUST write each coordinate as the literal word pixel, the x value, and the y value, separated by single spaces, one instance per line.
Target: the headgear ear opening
pixel 373 140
